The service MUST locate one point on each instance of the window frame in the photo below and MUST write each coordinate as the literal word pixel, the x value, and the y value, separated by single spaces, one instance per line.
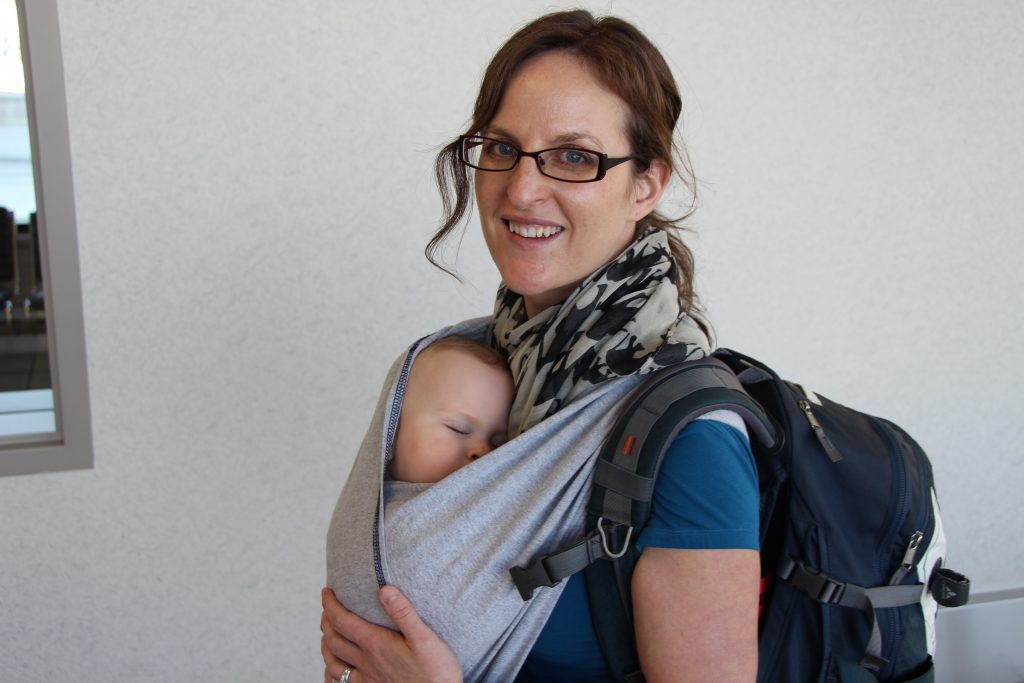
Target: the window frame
pixel 70 446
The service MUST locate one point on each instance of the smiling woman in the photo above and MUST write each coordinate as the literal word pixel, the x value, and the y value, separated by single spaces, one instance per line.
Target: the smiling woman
pixel 546 237
pixel 570 151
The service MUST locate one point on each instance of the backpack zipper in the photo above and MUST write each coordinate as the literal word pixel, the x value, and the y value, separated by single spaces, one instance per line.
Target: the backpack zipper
pixel 833 453
pixel 902 495
pixel 900 464
pixel 908 558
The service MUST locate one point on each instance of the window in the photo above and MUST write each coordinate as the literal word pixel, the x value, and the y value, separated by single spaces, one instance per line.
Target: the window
pixel 44 411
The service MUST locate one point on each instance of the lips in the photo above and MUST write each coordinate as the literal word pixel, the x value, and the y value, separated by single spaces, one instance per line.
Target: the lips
pixel 533 231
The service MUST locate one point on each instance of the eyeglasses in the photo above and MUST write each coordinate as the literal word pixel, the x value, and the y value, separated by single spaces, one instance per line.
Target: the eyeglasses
pixel 571 164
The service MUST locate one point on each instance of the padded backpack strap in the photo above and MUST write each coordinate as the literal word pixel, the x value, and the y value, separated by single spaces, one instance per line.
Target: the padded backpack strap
pixel 629 464
pixel 611 611
pixel 625 473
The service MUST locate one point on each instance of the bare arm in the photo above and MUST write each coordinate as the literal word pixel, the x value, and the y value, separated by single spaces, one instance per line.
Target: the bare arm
pixel 696 614
pixel 415 654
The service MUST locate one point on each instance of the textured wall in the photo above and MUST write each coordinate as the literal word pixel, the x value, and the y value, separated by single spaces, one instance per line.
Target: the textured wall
pixel 253 192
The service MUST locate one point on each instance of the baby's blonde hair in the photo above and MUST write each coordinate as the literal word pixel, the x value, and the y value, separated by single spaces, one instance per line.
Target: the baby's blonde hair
pixel 479 350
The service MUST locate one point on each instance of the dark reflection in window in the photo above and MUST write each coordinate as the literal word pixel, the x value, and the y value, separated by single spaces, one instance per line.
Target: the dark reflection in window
pixel 26 398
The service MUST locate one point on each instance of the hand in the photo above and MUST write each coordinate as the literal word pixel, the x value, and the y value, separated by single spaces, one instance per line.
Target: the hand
pixel 379 655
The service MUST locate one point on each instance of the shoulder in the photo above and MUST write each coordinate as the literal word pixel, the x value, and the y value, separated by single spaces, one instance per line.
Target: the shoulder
pixel 710 456
pixel 706 494
pixel 721 434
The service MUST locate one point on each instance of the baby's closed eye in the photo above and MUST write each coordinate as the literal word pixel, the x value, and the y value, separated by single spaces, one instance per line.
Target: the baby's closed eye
pixel 460 429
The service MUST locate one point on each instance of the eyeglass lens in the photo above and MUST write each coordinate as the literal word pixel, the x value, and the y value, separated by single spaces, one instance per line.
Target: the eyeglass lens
pixel 566 163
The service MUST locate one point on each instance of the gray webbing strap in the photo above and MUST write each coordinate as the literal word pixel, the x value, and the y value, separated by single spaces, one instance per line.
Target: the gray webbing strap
pixel 622 480
pixel 548 570
pixel 826 589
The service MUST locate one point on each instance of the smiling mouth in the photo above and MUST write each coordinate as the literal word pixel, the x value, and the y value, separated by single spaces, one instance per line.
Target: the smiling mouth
pixel 533 231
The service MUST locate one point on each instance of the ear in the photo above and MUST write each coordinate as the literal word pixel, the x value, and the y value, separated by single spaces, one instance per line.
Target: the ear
pixel 648 187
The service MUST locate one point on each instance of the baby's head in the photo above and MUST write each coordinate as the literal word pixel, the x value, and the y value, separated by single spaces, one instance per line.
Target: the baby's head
pixel 455 409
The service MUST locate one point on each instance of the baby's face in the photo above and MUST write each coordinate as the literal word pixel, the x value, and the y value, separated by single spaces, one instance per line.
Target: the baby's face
pixel 455 410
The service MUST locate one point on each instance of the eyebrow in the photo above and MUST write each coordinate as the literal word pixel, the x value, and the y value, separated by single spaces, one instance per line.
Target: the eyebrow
pixel 564 138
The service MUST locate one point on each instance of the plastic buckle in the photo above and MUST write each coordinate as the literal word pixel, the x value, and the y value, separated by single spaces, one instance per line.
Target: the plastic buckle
pixel 817 585
pixel 786 568
pixel 831 590
pixel 532 576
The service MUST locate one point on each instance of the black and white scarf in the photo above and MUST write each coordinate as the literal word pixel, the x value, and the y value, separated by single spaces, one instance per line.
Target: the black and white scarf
pixel 624 319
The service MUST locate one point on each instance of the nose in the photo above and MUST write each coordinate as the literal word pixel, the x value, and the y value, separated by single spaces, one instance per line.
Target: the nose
pixel 478 449
pixel 526 184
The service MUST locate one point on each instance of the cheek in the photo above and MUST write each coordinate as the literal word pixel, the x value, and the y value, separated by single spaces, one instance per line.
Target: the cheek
pixel 439 445
pixel 602 219
pixel 485 188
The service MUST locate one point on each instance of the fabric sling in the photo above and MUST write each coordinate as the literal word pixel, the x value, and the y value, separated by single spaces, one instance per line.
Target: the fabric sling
pixel 449 546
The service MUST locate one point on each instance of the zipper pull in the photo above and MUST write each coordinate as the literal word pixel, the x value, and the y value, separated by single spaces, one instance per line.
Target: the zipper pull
pixel 915 543
pixel 826 443
pixel 908 557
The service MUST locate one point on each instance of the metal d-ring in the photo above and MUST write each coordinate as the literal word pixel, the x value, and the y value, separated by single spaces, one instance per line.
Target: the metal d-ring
pixel 604 541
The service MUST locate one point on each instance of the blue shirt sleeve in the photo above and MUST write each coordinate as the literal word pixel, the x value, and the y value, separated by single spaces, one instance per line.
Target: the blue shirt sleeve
pixel 706 495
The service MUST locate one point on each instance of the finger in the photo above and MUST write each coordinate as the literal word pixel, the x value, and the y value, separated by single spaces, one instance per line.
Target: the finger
pixel 329 634
pixel 330 659
pixel 343 625
pixel 328 598
pixel 402 613
pixel 330 677
pixel 339 652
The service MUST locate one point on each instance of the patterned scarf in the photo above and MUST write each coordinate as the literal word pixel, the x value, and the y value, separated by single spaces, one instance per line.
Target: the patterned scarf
pixel 624 319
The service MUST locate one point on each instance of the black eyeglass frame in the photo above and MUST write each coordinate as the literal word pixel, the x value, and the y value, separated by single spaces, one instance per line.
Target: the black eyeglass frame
pixel 604 162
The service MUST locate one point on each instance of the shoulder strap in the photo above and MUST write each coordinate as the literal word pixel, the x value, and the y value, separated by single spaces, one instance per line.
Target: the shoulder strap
pixel 637 447
pixel 626 470
pixel 629 464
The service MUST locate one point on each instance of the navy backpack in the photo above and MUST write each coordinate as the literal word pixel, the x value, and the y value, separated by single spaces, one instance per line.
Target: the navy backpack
pixel 852 546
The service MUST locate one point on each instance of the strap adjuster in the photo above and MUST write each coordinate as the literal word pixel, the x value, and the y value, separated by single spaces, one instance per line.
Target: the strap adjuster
pixel 817 585
pixel 533 575
pixel 548 570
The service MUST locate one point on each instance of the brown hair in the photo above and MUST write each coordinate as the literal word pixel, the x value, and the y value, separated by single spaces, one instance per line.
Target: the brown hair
pixel 628 64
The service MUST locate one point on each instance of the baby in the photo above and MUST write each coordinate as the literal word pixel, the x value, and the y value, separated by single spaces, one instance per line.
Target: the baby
pixel 455 410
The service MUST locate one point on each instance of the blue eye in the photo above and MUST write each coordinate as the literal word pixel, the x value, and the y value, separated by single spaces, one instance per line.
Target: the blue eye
pixel 570 163
pixel 500 149
pixel 574 157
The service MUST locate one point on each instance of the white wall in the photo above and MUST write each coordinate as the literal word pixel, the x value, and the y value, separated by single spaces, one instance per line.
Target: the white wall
pixel 253 192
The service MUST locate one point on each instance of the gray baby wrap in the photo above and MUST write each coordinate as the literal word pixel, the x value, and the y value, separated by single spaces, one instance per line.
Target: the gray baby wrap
pixel 448 546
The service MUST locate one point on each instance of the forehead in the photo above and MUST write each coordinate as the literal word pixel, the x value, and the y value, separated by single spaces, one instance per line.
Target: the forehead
pixel 555 98
pixel 452 361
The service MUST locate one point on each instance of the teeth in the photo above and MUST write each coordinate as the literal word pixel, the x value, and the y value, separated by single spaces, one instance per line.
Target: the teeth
pixel 534 231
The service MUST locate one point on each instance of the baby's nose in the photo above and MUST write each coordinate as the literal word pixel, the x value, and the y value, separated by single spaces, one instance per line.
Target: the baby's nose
pixel 478 449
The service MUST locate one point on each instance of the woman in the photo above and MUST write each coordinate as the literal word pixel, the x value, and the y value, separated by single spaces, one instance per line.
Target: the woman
pixel 572 148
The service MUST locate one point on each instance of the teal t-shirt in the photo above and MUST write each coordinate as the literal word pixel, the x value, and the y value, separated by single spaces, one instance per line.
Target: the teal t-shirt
pixel 706 497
